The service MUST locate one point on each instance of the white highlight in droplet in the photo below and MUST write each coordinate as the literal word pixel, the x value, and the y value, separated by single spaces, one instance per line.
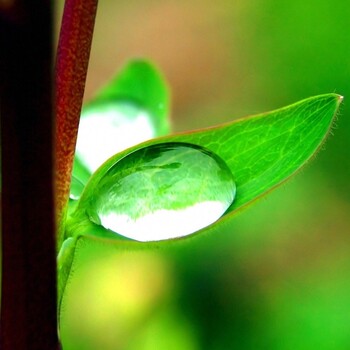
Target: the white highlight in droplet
pixel 165 224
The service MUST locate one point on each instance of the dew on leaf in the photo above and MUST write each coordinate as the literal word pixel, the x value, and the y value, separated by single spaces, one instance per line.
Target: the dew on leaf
pixel 162 191
pixel 108 128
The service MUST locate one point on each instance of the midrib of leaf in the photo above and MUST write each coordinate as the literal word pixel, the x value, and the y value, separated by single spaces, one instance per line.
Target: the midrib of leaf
pixel 276 167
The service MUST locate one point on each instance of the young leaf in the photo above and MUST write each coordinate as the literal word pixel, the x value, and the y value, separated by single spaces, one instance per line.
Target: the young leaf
pixel 130 109
pixel 261 151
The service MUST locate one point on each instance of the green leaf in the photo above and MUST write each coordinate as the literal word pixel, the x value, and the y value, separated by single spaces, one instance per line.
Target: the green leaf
pixel 142 82
pixel 261 151
pixel 131 108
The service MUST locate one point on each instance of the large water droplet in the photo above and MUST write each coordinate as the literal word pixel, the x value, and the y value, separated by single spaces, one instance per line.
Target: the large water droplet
pixel 163 191
pixel 108 128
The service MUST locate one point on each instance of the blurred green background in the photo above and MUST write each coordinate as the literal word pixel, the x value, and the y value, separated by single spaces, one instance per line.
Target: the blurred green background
pixel 278 276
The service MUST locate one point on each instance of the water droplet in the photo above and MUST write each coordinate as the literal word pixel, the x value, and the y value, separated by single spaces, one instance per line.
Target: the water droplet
pixel 163 191
pixel 108 128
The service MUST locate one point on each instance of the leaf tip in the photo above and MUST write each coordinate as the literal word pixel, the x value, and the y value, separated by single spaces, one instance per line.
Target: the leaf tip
pixel 339 100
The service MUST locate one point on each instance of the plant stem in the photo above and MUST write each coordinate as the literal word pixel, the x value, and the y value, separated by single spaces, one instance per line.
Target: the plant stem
pixel 28 310
pixel 71 68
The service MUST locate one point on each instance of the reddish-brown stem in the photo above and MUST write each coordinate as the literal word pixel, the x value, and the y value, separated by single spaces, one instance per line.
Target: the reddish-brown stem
pixel 71 67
